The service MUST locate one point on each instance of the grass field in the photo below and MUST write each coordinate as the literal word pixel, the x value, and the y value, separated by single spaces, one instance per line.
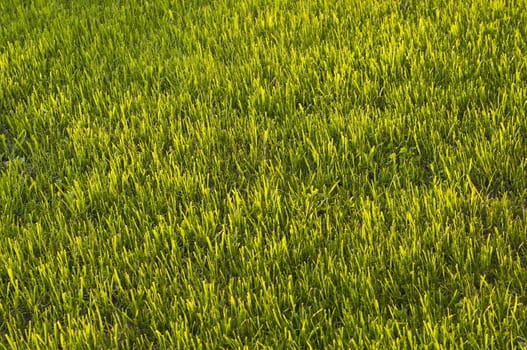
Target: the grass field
pixel 263 174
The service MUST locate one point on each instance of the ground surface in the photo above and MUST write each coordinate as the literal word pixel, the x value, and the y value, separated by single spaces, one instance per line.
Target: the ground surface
pixel 268 174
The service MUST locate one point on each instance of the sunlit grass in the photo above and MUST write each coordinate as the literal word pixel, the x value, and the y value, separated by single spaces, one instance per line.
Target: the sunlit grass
pixel 263 174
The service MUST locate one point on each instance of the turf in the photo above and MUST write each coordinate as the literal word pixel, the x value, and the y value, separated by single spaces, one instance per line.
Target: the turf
pixel 263 174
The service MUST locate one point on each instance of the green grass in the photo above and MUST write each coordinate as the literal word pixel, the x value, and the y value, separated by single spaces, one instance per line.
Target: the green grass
pixel 263 174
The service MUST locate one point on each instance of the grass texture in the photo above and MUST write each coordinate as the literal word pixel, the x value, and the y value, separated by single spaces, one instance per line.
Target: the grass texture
pixel 263 174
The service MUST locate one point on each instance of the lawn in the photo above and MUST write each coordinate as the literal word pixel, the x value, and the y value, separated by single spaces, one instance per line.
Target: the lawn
pixel 263 174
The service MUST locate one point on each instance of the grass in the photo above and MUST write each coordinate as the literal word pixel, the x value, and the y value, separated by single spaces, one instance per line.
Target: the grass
pixel 263 174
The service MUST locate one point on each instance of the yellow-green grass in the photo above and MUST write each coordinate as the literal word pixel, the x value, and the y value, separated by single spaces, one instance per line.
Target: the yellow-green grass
pixel 263 174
